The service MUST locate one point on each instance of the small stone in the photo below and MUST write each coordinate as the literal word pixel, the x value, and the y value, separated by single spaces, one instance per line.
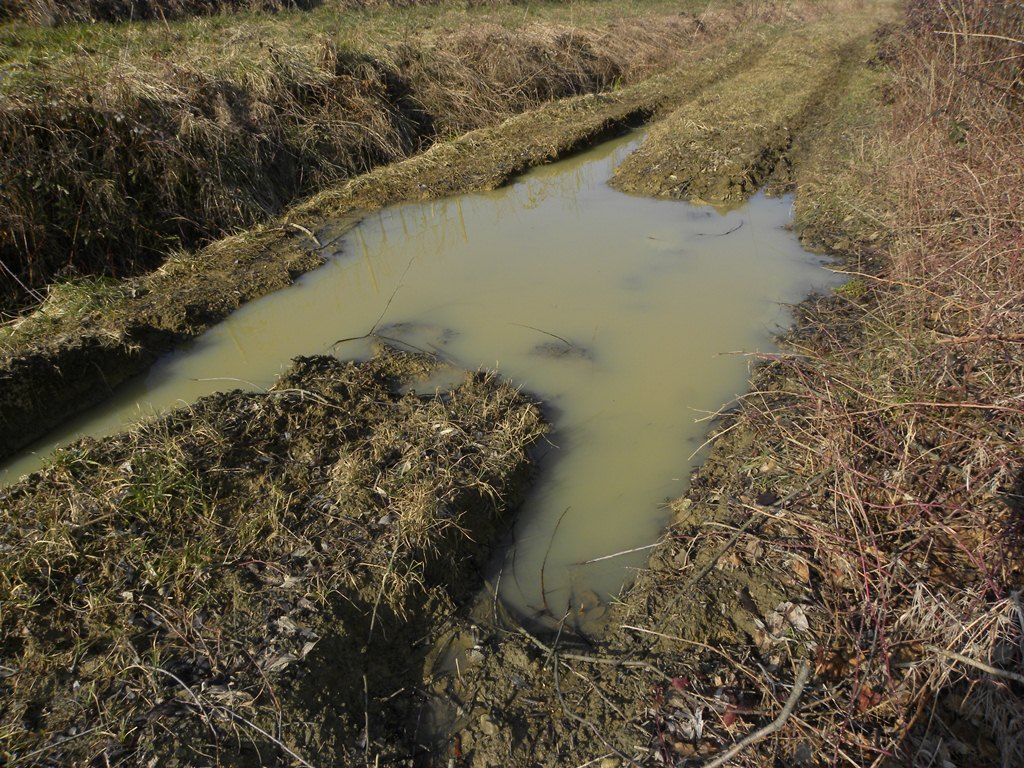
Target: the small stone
pixel 488 726
pixel 611 762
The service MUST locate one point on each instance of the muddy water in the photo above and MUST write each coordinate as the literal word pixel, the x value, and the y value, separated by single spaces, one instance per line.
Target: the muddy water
pixel 631 318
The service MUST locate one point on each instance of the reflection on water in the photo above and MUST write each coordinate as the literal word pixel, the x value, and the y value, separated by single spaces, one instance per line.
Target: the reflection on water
pixel 628 316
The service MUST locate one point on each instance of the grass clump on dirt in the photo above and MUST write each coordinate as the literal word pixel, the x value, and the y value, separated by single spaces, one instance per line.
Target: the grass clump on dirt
pixel 246 580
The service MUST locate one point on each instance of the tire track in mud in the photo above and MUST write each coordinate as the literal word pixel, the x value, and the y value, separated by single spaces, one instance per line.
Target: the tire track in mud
pixel 725 144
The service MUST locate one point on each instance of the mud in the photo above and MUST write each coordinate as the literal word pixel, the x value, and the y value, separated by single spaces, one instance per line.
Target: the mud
pixel 256 576
pixel 663 677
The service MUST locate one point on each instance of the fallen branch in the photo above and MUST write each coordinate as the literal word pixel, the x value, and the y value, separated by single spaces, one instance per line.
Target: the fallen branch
pixel 772 727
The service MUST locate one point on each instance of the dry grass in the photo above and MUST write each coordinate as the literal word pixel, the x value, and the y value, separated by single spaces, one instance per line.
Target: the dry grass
pixel 873 479
pixel 163 592
pixel 54 12
pixel 904 403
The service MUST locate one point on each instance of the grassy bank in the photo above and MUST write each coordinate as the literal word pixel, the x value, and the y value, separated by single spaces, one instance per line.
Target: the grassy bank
pixel 121 143
pixel 897 420
pixel 249 580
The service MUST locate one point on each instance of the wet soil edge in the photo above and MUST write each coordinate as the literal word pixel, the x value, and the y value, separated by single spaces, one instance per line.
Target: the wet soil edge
pixel 49 375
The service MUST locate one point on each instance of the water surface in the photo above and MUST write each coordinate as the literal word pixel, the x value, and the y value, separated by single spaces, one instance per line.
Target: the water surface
pixel 631 318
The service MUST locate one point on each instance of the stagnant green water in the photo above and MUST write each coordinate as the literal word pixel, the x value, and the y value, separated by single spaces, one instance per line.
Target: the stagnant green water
pixel 630 318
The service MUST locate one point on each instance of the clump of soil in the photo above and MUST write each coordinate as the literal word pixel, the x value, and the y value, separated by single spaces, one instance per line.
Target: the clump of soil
pixel 253 578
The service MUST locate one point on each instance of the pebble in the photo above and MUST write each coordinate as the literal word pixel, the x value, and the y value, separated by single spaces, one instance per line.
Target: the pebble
pixel 488 726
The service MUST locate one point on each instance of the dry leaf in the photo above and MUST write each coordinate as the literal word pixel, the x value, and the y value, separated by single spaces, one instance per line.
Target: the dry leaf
pixel 800 569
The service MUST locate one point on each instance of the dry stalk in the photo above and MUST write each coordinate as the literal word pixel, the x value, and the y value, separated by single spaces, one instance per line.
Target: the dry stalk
pixel 773 727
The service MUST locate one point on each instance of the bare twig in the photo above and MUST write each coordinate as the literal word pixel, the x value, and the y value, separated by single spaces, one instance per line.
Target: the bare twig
pixel 17 759
pixel 306 232
pixel 618 554
pixel 544 563
pixel 772 727
pixel 1004 673
pixel 578 718
pixel 546 333
pixel 590 659
pixel 383 584
pixel 366 720
pixel 234 715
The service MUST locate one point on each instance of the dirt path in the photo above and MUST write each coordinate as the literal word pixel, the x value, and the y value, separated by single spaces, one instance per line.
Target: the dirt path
pixel 292 567
pixel 722 147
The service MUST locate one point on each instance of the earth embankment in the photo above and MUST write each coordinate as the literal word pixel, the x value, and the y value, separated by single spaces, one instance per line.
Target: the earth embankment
pixel 177 590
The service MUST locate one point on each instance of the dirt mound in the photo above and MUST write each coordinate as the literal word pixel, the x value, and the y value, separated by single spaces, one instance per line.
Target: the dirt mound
pixel 253 578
